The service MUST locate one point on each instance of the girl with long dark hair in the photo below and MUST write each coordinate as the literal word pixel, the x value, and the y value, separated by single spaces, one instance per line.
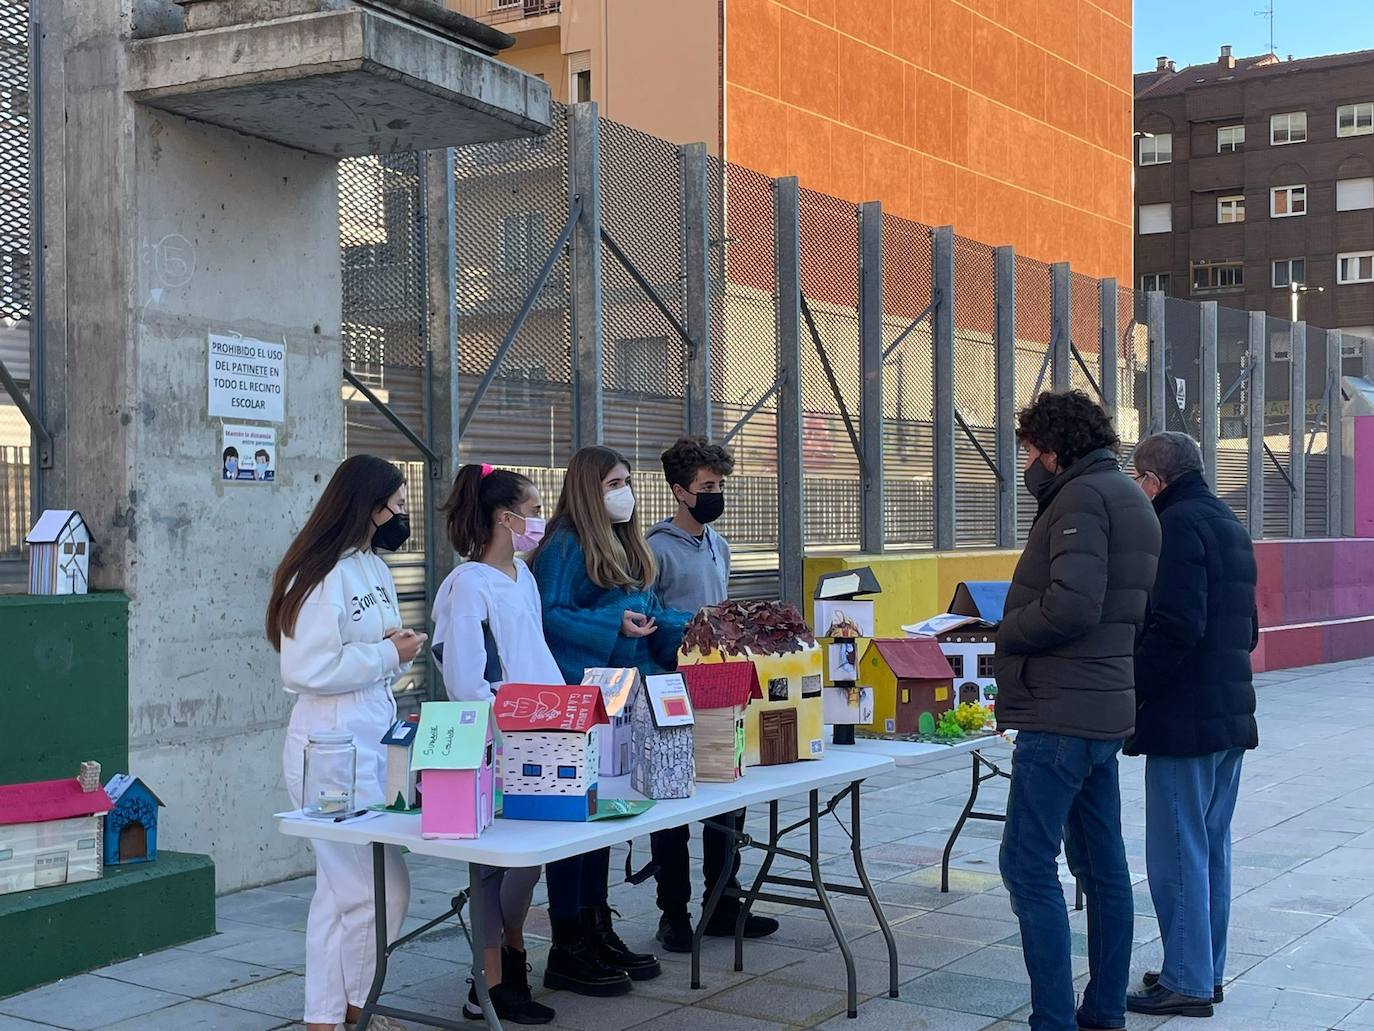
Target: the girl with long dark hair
pixel 334 618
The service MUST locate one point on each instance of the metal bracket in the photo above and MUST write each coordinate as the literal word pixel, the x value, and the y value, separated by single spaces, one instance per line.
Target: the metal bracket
pixel 1044 367
pixel 1092 382
pixel 40 431
pixel 1292 488
pixel 649 291
pixel 1245 374
pixel 934 300
pixel 1321 414
pixel 436 464
pixel 987 459
pixel 754 408
pixel 834 387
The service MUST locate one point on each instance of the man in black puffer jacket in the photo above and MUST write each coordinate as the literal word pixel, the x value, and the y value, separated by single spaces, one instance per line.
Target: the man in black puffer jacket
pixel 1195 720
pixel 1065 684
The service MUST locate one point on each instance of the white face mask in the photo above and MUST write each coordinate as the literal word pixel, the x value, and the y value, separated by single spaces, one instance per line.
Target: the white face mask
pixel 620 504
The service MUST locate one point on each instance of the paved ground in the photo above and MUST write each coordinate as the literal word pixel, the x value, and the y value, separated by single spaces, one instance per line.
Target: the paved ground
pixel 1302 941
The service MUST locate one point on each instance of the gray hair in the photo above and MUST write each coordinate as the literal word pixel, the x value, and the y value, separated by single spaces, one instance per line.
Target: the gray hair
pixel 1168 455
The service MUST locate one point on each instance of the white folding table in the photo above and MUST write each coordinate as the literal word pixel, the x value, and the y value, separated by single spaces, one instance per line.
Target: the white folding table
pixel 522 843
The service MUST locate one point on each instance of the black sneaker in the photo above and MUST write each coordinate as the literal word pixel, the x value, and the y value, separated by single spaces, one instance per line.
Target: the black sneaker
pixel 508 1006
pixel 610 950
pixel 1151 978
pixel 574 965
pixel 1159 1001
pixel 1087 1025
pixel 675 932
pixel 722 925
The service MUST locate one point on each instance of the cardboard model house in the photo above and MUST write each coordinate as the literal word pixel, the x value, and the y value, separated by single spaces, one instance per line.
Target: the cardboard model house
pixel 50 831
pixel 971 646
pixel 131 826
pixel 455 756
pixel 550 761
pixel 661 763
pixel 400 775
pixel 720 693
pixel 787 723
pixel 911 681
pixel 617 688
pixel 59 553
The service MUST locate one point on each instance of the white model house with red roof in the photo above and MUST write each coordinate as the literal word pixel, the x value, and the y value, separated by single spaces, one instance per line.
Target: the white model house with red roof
pixel 550 760
pixel 50 831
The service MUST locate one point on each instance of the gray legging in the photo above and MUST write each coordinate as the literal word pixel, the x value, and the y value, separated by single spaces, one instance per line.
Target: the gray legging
pixel 507 895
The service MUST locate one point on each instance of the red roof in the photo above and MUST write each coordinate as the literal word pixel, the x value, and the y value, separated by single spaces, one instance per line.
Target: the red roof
pixel 46 800
pixel 575 708
pixel 721 685
pixel 914 658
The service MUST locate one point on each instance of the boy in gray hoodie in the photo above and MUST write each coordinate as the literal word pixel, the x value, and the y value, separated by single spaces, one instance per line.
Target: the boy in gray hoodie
pixel 694 572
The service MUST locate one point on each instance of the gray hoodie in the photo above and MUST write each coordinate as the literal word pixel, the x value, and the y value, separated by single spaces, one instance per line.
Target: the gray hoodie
pixel 692 573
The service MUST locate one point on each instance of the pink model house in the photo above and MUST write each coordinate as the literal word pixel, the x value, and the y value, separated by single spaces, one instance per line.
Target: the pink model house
pixel 454 754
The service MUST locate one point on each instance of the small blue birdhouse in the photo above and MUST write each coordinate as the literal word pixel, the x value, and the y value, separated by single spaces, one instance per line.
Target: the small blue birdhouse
pixel 131 826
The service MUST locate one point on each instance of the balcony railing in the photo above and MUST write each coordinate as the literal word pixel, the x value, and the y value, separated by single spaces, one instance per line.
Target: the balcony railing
pixel 504 12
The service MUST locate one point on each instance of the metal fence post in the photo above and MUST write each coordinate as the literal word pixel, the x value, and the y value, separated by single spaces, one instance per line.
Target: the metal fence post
pixel 791 502
pixel 1061 325
pixel 871 533
pixel 584 182
pixel 696 225
pixel 1157 387
pixel 1108 347
pixel 1258 358
pixel 1207 388
pixel 942 386
pixel 1297 430
pixel 1004 282
pixel 1335 444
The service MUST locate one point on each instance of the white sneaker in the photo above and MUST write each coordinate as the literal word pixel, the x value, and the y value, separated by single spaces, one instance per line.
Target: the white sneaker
pixel 379 1023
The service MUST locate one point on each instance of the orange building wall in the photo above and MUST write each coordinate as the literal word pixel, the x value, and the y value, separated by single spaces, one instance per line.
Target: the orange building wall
pixel 1009 119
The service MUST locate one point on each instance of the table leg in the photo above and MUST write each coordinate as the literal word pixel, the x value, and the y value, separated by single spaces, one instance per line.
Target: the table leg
pixel 379 914
pixel 477 889
pixel 747 903
pixel 818 881
pixel 856 848
pixel 709 909
pixel 959 826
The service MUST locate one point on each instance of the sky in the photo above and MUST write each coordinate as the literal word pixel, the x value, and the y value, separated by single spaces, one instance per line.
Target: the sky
pixel 1192 31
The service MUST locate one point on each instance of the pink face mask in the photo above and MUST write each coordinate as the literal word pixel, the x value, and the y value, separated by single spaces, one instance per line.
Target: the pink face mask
pixel 534 533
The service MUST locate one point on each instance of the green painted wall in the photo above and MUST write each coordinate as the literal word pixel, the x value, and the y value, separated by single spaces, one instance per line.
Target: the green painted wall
pixel 65 683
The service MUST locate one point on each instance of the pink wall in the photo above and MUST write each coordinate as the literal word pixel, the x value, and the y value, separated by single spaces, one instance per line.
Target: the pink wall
pixel 1362 487
pixel 1316 601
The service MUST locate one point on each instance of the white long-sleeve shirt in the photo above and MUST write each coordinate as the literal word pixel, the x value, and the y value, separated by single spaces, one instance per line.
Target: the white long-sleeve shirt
pixel 476 592
pixel 338 644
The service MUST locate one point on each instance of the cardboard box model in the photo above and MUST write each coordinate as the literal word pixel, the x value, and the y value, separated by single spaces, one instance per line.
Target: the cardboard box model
pixel 59 553
pixel 617 688
pixel 131 825
pixel 970 648
pixel 455 756
pixel 50 831
pixel 661 763
pixel 400 776
pixel 910 679
pixel 720 694
pixel 550 761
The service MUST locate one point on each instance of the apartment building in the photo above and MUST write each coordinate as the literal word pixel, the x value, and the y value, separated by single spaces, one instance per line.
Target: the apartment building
pixel 1009 121
pixel 1254 185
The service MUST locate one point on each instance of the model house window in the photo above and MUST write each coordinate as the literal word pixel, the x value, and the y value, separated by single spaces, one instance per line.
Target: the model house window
pixel 1157 149
pixel 1230 139
pixel 1156 218
pixel 1231 209
pixel 1288 271
pixel 488 757
pixel 1288 201
pixel 1155 281
pixel 1221 276
pixel 1355 268
pixel 985 667
pixel 1290 127
pixel 778 689
pixel 1354 194
pixel 532 770
pixel 956 663
pixel 567 773
pixel 1355 120
pixel 906 696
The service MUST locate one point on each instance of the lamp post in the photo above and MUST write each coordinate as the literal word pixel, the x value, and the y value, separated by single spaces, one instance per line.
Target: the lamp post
pixel 1296 290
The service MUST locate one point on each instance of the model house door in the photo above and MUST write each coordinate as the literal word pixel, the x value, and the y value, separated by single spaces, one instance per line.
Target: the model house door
pixel 591 802
pixel 133 843
pixel 778 737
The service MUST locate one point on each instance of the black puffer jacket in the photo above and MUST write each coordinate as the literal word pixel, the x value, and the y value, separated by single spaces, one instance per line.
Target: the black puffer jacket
pixel 1077 601
pixel 1192 665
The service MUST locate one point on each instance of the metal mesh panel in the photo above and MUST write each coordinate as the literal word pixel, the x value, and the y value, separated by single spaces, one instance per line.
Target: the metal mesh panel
pixel 1233 424
pixel 1032 357
pixel 15 273
pixel 908 451
pixel 1182 366
pixel 1131 344
pixel 511 206
pixel 1315 440
pixel 381 240
pixel 1085 330
pixel 1277 392
pixel 975 393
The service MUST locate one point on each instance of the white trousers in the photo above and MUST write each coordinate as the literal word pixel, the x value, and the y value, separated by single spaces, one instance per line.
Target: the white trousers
pixel 340 933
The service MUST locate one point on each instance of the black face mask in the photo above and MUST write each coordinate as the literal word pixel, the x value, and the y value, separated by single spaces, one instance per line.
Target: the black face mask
pixel 392 533
pixel 708 507
pixel 1037 478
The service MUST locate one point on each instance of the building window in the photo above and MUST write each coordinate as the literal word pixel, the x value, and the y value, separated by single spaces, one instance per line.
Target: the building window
pixel 1355 268
pixel 1221 276
pixel 1288 271
pixel 641 365
pixel 582 83
pixel 567 773
pixel 1230 139
pixel 986 671
pixel 1354 194
pixel 1155 281
pixel 522 241
pixel 532 770
pixel 956 663
pixel 1156 218
pixel 1355 120
pixel 1231 209
pixel 1290 127
pixel 1288 201
pixel 1157 149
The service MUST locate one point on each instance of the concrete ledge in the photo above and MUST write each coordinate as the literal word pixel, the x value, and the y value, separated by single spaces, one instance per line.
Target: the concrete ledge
pixel 1312 644
pixel 131 910
pixel 342 84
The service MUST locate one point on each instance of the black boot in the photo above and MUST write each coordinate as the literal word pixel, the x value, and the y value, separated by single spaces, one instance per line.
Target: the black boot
pixel 675 932
pixel 509 1007
pixel 1161 1002
pixel 575 964
pixel 640 966
pixel 722 923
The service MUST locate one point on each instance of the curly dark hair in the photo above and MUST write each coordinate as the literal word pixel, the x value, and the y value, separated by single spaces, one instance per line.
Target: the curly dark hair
pixel 683 459
pixel 1069 423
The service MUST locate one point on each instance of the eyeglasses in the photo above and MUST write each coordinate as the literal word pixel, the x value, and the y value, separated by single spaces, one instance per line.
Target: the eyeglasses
pixel 1140 477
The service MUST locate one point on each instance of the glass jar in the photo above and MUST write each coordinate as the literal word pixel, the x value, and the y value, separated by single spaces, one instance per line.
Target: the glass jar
pixel 331 765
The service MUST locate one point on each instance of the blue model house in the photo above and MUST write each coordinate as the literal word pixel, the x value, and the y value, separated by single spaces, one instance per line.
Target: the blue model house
pixel 131 826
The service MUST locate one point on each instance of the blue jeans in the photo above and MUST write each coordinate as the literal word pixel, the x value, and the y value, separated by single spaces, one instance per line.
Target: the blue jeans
pixel 1188 807
pixel 1066 789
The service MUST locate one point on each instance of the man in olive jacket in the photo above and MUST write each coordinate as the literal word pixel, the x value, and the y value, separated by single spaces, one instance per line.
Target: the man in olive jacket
pixel 1065 684
pixel 1196 718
